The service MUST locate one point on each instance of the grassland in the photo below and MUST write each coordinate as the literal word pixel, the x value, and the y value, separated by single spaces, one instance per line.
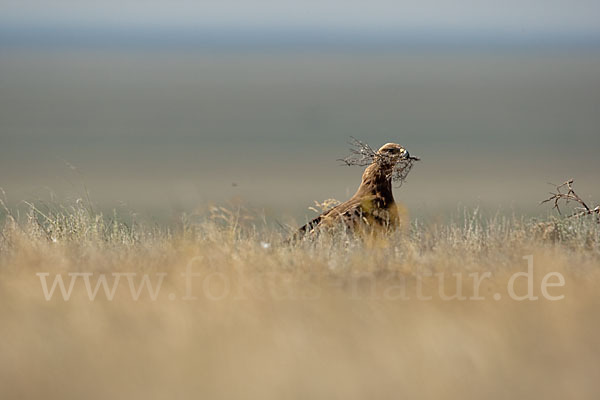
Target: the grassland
pixel 334 317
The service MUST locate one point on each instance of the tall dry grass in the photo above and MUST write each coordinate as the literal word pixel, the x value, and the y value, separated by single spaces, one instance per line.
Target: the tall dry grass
pixel 335 317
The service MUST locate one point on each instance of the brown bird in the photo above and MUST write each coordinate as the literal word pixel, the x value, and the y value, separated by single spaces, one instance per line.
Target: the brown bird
pixel 372 206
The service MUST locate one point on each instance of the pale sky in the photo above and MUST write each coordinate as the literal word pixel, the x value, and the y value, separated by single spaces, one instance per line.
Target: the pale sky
pixel 526 16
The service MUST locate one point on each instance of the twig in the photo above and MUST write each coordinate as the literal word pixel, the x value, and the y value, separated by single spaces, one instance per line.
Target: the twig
pixel 361 154
pixel 570 195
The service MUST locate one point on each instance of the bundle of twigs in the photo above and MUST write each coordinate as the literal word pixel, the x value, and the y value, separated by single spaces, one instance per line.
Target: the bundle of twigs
pixel 362 154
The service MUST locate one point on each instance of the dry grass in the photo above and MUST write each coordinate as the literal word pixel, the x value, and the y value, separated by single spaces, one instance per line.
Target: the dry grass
pixel 318 319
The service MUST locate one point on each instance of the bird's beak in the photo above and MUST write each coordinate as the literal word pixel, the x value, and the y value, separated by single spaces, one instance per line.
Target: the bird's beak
pixel 407 156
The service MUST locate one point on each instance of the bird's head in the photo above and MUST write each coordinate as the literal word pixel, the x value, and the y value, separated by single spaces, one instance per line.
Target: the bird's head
pixel 395 160
pixel 391 153
pixel 391 159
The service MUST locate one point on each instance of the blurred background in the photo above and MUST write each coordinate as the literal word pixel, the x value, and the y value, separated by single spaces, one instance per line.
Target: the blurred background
pixel 163 107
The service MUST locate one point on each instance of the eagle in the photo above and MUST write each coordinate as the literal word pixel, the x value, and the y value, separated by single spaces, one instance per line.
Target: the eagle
pixel 372 206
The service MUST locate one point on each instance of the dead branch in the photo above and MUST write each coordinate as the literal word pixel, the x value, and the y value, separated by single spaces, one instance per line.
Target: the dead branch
pixel 401 170
pixel 570 196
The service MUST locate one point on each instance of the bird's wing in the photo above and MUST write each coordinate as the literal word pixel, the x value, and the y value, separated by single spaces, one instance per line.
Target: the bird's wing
pixel 309 226
pixel 349 212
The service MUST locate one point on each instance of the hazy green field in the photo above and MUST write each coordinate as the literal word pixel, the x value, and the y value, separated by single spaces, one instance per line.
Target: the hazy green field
pixel 162 132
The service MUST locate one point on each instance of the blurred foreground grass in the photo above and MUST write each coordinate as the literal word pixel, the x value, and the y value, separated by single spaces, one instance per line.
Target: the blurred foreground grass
pixel 335 317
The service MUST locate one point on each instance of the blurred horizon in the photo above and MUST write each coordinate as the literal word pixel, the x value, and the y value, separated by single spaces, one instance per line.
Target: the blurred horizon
pixel 169 106
pixel 527 15
pixel 55 36
pixel 333 22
